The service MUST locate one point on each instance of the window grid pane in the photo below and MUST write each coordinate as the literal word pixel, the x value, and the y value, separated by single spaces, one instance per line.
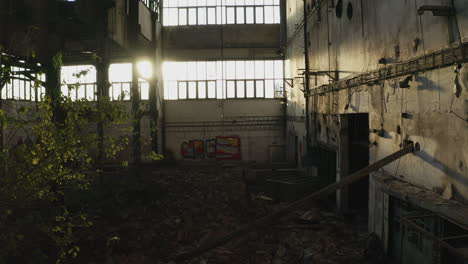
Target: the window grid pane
pixel 223 79
pixel 211 12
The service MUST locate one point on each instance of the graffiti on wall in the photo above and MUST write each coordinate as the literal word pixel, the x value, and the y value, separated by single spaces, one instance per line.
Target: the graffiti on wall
pixel 220 148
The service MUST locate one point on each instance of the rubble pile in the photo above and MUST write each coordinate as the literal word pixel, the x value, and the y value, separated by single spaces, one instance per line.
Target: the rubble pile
pixel 195 206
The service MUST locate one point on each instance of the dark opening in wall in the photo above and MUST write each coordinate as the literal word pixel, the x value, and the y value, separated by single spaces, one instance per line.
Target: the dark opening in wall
pixel 339 9
pixel 358 153
pixel 350 10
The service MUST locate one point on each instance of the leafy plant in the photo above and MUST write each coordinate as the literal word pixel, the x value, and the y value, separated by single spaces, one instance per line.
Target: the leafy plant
pixel 52 158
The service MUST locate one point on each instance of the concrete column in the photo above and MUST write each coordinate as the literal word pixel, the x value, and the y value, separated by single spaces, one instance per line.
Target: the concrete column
pixel 102 91
pixel 136 115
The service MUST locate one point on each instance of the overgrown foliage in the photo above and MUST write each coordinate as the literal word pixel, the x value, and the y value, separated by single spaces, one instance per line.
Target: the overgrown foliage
pixel 50 155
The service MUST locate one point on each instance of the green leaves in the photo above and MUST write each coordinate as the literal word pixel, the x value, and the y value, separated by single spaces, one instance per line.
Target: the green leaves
pixel 57 60
pixel 54 159
pixel 155 156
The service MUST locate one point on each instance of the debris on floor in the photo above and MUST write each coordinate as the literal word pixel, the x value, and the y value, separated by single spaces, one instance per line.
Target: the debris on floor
pixel 195 206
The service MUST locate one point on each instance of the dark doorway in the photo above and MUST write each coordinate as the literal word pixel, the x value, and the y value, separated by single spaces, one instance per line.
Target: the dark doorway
pixel 358 136
pixel 327 167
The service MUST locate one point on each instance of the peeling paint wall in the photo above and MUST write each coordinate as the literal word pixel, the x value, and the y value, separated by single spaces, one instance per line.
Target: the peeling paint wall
pixel 427 112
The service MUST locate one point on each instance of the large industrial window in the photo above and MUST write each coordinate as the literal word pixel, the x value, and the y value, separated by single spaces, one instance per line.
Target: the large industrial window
pixel 120 77
pixel 220 12
pixel 79 82
pixel 153 5
pixel 223 79
pixel 23 84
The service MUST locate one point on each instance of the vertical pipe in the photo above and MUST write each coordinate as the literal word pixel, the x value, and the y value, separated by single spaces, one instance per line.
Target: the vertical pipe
pixel 306 75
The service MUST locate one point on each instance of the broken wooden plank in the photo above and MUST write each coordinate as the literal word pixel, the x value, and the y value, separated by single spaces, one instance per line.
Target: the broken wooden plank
pixel 410 147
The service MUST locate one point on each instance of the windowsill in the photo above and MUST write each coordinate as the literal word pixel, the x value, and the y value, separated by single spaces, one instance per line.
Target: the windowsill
pixel 213 99
pixel 217 25
pixel 422 198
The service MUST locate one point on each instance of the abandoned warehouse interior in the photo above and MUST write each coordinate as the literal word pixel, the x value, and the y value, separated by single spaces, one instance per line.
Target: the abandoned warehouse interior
pixel 234 131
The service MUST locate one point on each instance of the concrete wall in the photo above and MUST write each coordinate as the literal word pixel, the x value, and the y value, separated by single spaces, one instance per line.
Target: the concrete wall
pixel 258 123
pixel 393 31
pixel 221 41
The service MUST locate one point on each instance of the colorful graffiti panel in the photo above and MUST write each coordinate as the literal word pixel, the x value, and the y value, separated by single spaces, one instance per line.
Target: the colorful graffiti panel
pixel 221 148
pixel 198 149
pixel 210 148
pixel 228 148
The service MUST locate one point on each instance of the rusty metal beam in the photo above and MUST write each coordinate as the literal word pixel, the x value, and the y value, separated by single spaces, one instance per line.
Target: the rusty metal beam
pixel 363 173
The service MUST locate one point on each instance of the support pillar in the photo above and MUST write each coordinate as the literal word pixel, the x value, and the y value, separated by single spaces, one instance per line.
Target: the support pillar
pixel 136 120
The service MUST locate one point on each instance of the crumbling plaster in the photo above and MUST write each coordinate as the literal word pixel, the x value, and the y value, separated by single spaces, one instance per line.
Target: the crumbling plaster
pixel 436 118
